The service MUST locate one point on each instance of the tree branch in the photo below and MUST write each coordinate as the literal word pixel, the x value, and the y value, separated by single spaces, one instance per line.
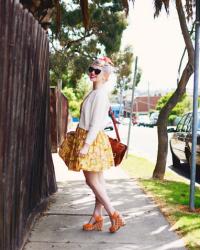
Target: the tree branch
pixel 69 43
pixel 185 32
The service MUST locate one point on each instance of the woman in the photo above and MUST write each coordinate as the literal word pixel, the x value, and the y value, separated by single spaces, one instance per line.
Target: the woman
pixel 91 150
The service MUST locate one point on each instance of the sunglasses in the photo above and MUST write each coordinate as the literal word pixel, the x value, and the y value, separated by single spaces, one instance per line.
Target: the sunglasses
pixel 96 71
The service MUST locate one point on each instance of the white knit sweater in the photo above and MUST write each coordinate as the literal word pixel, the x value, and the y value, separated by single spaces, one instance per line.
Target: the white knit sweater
pixel 94 113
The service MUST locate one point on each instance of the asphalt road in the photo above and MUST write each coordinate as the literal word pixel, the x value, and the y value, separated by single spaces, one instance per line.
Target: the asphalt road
pixel 143 141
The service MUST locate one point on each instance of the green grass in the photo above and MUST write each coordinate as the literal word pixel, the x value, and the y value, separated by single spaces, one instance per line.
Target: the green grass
pixel 172 195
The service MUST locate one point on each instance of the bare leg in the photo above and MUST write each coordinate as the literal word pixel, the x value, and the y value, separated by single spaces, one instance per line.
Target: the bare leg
pixel 93 180
pixel 97 184
pixel 116 219
pixel 98 207
pixel 97 211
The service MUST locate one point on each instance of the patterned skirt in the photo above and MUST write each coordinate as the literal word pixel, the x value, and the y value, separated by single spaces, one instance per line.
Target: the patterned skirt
pixel 98 158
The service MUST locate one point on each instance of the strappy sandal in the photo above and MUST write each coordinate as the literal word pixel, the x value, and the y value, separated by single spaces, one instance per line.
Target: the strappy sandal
pixel 117 222
pixel 97 225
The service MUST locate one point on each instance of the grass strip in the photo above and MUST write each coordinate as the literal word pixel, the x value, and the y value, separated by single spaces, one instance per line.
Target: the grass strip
pixel 172 196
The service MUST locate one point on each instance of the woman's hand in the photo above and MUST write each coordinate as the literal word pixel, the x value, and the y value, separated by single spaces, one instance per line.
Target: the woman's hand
pixel 84 150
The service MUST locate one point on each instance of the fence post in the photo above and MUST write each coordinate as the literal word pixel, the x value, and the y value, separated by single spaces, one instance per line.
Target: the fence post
pixel 59 111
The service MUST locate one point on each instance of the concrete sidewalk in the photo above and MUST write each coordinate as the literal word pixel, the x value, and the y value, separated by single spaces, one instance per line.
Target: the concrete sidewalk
pixel 61 226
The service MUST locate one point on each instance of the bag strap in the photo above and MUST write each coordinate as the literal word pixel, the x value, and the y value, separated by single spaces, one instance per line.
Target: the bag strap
pixel 111 114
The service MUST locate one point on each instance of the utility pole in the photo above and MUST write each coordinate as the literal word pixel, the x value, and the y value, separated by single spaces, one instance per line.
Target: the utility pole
pixel 132 102
pixel 120 103
pixel 195 107
pixel 148 101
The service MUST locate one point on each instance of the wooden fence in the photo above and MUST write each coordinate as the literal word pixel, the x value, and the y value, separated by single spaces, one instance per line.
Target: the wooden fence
pixel 59 117
pixel 27 175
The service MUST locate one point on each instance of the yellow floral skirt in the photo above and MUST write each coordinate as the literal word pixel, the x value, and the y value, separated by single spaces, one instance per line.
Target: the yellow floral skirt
pixel 98 158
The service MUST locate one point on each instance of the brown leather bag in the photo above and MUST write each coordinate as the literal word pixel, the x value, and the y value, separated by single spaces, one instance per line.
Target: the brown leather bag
pixel 118 148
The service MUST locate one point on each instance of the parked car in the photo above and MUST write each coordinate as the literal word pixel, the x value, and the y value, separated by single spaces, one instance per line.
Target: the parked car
pixel 125 121
pixel 135 120
pixel 154 118
pixel 144 120
pixel 110 125
pixel 181 140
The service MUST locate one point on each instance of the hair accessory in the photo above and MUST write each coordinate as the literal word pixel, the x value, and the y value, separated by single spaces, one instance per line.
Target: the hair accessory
pixel 106 59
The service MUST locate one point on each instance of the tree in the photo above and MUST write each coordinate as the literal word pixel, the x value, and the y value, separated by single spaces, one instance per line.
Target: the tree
pixel 101 20
pixel 76 47
pixel 124 61
pixel 160 167
pixel 183 106
pixel 75 96
pixel 43 11
pixel 159 170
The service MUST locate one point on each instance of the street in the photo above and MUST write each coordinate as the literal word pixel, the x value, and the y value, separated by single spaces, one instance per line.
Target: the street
pixel 143 141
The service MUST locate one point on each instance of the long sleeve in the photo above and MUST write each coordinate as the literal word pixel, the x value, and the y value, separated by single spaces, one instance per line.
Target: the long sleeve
pixel 99 112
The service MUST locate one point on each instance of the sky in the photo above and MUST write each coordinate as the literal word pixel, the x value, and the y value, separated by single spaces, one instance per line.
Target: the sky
pixel 157 42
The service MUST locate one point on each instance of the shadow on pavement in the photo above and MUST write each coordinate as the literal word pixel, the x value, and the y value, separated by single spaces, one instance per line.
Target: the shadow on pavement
pixel 61 226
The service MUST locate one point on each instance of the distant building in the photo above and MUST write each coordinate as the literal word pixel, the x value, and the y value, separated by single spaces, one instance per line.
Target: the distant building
pixel 142 105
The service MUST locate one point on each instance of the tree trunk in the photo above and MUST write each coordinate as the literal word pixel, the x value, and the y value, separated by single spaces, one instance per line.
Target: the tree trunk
pixel 160 167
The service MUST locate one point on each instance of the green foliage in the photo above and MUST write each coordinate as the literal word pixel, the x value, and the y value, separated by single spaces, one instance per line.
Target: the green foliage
pixel 58 70
pixel 75 48
pixel 123 61
pixel 138 76
pixel 182 107
pixel 75 96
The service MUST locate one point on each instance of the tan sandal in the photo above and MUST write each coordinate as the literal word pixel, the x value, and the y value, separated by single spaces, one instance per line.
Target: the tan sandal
pixel 117 222
pixel 97 225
